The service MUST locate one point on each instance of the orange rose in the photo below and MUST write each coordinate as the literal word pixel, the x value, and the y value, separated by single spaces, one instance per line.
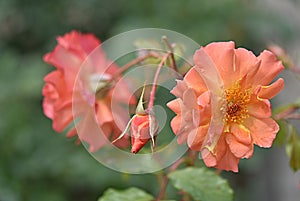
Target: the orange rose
pixel 246 110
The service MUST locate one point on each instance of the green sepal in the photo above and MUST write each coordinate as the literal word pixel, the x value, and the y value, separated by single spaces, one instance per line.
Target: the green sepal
pixel 140 106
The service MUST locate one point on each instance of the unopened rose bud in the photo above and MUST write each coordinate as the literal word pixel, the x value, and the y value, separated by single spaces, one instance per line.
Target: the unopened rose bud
pixel 143 128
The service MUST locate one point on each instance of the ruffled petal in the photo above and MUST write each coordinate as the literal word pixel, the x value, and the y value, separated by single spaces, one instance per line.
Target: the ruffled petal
pixel 189 98
pixel 228 162
pixel 62 118
pixel 209 159
pixel 204 107
pixel 259 108
pixel 241 134
pixel 263 131
pixel 245 61
pixel 175 105
pixel 179 89
pixel 222 55
pixel 194 80
pixel 270 67
pixel 237 148
pixel 196 137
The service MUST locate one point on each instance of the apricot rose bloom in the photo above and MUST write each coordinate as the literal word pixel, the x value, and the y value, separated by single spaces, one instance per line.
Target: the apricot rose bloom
pixel 245 107
pixel 67 57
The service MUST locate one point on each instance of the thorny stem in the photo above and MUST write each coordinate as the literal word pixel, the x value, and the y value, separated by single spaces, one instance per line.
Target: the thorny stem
pixel 173 62
pixel 153 90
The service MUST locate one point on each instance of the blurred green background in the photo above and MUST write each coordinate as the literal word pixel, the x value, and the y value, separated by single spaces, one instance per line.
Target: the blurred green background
pixel 38 164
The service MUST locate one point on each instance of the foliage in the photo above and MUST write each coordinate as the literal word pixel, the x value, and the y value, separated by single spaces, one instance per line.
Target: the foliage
pixel 126 195
pixel 293 148
pixel 39 164
pixel 202 184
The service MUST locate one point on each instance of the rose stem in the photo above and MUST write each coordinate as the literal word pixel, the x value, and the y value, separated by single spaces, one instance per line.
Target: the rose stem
pixel 153 90
pixel 173 63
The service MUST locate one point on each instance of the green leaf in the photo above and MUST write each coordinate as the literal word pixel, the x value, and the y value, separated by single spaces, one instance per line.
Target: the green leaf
pixel 202 184
pixel 282 134
pixel 293 149
pixel 129 194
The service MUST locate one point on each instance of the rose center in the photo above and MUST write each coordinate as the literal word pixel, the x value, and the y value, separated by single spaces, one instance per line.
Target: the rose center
pixel 237 102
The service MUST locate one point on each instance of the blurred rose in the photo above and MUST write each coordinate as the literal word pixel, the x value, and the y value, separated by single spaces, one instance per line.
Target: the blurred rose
pixel 60 95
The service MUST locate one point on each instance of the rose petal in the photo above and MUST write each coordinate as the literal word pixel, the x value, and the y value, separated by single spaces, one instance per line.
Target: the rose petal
pixel 195 81
pixel 176 124
pixel 189 98
pixel 244 61
pixel 269 69
pixel 179 89
pixel 259 108
pixel 222 55
pixel 238 149
pixel 268 92
pixel 205 108
pixel 262 131
pixel 206 67
pixel 196 137
pixel 175 105
pixel 209 159
pixel 228 162
pixel 241 134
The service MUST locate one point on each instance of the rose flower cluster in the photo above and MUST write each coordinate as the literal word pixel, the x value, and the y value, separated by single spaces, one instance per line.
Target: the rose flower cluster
pixel 223 135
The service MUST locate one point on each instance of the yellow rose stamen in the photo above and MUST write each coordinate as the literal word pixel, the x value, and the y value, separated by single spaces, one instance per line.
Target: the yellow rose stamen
pixel 237 102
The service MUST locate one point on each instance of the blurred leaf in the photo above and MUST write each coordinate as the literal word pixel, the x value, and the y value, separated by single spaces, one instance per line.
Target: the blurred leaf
pixel 129 194
pixel 148 44
pixel 282 134
pixel 293 149
pixel 145 46
pixel 202 184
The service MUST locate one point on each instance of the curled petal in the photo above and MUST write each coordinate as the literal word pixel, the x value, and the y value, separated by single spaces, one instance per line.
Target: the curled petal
pixel 268 92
